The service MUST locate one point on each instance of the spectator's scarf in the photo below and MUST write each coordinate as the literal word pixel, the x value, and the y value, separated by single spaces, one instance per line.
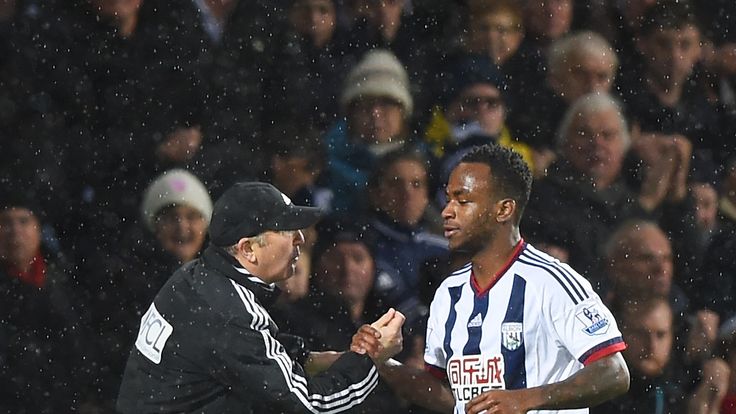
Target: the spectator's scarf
pixel 36 274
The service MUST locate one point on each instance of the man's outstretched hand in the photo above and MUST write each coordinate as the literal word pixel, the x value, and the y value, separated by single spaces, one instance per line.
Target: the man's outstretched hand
pixel 382 339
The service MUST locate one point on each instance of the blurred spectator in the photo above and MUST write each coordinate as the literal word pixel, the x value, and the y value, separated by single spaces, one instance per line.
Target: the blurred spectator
pixel 547 20
pixel 473 112
pixel 656 383
pixel 620 22
pixel 387 24
pixel 577 64
pixel 309 62
pixel 544 22
pixel 377 105
pixel 71 84
pixel 720 51
pixel 296 164
pixel 717 284
pixel 640 267
pixel 662 93
pixel 44 359
pixel 703 185
pixel 175 214
pixel 727 351
pixel 584 192
pixel 495 30
pixel 204 63
pixel 404 229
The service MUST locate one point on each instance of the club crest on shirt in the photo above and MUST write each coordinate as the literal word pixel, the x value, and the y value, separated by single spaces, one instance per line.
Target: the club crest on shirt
pixel 594 323
pixel 512 335
pixel 472 375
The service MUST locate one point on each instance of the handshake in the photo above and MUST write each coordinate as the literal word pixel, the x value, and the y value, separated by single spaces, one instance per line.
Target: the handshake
pixel 382 339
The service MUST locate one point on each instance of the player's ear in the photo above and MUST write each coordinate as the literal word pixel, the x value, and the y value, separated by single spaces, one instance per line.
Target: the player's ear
pixel 506 210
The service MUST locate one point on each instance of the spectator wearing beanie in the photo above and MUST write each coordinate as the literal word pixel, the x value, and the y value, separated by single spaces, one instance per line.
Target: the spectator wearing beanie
pixel 177 209
pixel 377 105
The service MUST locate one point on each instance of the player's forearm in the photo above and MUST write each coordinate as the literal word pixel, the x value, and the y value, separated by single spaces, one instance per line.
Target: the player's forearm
pixel 417 386
pixel 600 381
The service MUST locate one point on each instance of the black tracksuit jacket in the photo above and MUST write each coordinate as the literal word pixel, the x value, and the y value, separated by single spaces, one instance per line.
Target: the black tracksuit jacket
pixel 208 345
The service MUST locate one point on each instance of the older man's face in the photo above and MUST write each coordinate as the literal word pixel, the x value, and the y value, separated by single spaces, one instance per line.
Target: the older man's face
pixel 595 144
pixel 20 236
pixel 585 74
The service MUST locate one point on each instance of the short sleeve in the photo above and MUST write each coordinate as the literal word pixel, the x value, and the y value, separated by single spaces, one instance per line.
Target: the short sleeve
pixel 581 322
pixel 434 354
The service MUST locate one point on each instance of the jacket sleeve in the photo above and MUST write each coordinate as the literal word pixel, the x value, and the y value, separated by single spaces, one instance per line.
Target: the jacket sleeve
pixel 256 366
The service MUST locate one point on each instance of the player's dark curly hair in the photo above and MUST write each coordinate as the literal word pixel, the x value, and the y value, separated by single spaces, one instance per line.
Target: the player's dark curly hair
pixel 510 174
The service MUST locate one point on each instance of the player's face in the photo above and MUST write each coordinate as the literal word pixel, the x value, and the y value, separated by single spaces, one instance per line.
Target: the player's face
pixel 470 210
pixel 649 339
pixel 278 256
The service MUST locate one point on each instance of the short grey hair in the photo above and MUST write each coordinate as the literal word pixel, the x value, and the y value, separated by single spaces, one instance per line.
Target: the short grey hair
pixel 259 239
pixel 589 104
pixel 586 44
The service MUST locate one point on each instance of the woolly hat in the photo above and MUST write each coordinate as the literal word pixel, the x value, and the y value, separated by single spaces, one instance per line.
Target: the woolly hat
pixel 178 187
pixel 378 74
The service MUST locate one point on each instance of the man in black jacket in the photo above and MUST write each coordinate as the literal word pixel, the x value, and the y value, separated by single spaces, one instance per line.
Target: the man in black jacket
pixel 207 344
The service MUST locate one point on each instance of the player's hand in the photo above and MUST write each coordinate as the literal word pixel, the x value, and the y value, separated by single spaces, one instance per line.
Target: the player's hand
pixel 366 342
pixel 497 402
pixel 389 325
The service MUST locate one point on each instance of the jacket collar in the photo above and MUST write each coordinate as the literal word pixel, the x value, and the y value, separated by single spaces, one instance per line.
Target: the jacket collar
pixel 218 259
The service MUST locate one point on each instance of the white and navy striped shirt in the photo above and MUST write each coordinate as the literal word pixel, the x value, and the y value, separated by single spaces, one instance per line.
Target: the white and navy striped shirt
pixel 539 323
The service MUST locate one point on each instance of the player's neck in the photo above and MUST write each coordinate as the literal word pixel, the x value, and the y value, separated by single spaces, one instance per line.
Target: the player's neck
pixel 490 263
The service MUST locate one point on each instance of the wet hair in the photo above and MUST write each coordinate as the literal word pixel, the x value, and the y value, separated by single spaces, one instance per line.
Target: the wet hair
pixel 592 103
pixel 669 15
pixel 510 173
pixel 586 44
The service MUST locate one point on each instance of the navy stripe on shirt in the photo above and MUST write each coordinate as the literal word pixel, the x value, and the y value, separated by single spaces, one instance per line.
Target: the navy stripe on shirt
pixel 514 374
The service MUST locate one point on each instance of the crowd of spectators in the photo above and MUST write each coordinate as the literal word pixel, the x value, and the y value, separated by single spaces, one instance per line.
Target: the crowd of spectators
pixel 121 121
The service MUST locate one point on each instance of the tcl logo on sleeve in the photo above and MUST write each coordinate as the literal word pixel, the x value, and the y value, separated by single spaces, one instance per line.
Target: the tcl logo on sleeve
pixel 153 334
